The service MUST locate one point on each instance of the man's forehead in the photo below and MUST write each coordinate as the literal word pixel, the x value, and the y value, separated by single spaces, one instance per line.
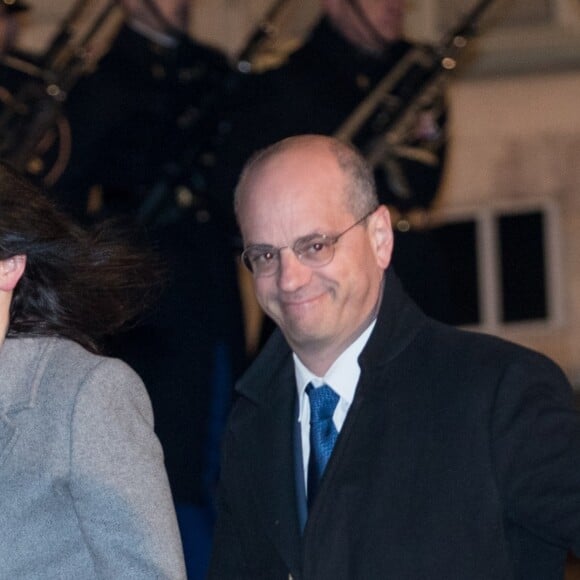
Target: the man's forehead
pixel 281 219
pixel 283 179
pixel 288 200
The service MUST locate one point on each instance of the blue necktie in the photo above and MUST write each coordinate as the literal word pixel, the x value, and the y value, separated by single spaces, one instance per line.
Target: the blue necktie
pixel 323 434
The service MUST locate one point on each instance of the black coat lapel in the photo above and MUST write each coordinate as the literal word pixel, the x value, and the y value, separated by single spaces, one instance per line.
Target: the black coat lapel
pixel 273 391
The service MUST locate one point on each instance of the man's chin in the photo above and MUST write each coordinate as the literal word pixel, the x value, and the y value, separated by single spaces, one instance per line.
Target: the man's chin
pixel 301 336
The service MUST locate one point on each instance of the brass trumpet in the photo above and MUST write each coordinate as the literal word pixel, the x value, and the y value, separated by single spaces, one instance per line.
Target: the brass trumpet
pixel 386 117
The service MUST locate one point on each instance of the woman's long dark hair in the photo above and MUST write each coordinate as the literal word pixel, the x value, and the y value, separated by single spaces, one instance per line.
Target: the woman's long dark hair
pixel 80 283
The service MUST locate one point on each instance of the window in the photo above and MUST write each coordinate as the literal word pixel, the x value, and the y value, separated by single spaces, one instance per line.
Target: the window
pixel 503 264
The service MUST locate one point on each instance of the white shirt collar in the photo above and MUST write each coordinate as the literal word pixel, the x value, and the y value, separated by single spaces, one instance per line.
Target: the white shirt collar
pixel 342 376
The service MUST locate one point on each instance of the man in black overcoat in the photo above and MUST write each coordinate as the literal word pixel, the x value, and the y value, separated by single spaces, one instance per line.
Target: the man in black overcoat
pixel 368 440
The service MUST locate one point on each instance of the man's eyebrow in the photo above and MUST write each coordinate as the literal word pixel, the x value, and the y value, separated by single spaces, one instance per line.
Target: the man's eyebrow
pixel 260 246
pixel 311 236
pixel 306 237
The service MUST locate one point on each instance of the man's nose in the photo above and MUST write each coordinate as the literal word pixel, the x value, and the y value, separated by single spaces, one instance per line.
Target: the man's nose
pixel 293 273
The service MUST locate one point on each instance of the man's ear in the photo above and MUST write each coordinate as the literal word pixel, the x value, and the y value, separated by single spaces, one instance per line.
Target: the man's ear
pixel 11 271
pixel 382 236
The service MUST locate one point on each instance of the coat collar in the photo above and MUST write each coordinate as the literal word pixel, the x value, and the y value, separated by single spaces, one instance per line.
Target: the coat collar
pixel 22 366
pixel 272 412
pixel 399 320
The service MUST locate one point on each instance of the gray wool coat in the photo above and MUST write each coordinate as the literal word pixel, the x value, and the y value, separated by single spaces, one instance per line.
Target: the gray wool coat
pixel 83 488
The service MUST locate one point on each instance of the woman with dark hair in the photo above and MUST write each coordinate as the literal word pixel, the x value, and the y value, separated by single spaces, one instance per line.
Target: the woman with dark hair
pixel 83 488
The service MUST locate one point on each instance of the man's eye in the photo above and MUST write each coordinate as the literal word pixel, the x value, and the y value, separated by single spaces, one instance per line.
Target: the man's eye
pixel 315 247
pixel 263 257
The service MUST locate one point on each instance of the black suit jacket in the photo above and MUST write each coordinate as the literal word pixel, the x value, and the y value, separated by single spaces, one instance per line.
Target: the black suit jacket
pixel 458 460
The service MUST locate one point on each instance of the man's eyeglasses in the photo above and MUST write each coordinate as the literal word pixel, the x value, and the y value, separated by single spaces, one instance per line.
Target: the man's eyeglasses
pixel 313 251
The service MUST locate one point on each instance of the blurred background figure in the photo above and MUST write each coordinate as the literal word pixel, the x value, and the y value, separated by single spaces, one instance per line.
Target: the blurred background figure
pixel 354 47
pixel 149 98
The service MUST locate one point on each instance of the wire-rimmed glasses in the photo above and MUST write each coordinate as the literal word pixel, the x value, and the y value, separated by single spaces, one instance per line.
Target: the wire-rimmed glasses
pixel 314 251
